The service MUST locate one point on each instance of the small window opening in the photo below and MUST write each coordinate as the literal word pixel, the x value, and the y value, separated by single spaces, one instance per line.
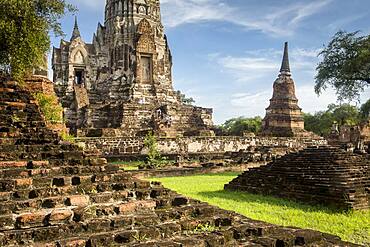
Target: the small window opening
pixel 79 77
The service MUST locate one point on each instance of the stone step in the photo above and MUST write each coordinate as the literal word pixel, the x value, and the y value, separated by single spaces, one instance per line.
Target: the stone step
pixel 79 209
pixel 133 216
pixel 8 205
pixel 144 227
pixel 36 164
pixel 28 188
pixel 44 173
pixel 24 189
pixel 55 156
pixel 24 164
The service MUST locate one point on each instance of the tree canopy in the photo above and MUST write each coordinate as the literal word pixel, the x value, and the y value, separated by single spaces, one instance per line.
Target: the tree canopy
pixel 365 110
pixel 345 114
pixel 24 32
pixel 345 65
pixel 185 100
pixel 237 126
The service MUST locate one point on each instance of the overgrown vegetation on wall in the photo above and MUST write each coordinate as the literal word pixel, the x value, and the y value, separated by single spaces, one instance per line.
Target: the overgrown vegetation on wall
pixel 50 108
pixel 53 114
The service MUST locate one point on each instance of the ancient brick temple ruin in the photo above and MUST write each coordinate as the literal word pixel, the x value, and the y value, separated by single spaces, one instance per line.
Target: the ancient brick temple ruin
pixel 318 175
pixel 121 84
pixel 54 194
pixel 284 117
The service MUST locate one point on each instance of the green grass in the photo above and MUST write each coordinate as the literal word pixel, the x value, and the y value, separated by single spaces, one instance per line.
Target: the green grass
pixel 128 165
pixel 350 226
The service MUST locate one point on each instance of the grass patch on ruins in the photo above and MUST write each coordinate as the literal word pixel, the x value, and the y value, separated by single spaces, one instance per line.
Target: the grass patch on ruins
pixel 350 226
pixel 128 165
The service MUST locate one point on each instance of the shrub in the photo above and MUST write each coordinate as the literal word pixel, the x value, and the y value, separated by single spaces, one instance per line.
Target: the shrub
pixel 154 158
pixel 50 108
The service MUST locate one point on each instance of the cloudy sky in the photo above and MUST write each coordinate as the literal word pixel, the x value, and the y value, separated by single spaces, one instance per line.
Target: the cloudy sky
pixel 227 53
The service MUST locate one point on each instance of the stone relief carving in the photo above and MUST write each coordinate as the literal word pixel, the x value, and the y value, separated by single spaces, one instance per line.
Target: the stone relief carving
pixel 79 58
pixel 146 68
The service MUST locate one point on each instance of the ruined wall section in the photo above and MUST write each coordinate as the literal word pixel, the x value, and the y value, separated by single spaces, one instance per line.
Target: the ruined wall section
pixel 121 147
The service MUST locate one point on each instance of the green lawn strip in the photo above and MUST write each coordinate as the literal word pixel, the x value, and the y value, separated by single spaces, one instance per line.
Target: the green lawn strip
pixel 350 226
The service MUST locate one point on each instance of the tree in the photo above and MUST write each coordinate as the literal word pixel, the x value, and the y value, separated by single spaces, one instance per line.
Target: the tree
pixel 154 156
pixel 237 126
pixel 24 32
pixel 365 111
pixel 184 99
pixel 322 121
pixel 345 65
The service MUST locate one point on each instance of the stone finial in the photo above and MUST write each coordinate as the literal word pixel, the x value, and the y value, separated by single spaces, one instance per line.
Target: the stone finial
pixel 285 67
pixel 76 31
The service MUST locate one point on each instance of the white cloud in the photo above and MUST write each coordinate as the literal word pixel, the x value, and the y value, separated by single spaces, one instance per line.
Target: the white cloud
pixel 259 63
pixel 260 67
pixel 255 104
pixel 280 21
pixel 275 20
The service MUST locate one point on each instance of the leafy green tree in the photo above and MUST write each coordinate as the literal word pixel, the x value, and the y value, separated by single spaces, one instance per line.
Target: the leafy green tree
pixel 154 156
pixel 24 32
pixel 345 114
pixel 185 100
pixel 322 121
pixel 365 111
pixel 345 65
pixel 319 123
pixel 237 126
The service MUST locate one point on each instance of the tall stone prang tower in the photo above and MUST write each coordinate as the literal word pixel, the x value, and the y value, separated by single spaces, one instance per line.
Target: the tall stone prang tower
pixel 284 117
pixel 121 84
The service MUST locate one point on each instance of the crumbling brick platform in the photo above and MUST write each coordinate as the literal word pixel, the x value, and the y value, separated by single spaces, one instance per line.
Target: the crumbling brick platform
pixel 324 175
pixel 54 194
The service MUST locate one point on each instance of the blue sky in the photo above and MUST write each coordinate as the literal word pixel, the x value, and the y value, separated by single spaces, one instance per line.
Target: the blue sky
pixel 227 53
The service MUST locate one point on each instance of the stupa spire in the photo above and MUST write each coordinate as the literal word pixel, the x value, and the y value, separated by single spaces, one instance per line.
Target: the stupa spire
pixel 285 67
pixel 76 31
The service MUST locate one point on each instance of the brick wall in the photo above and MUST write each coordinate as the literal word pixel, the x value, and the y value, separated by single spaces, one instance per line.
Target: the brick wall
pixel 123 147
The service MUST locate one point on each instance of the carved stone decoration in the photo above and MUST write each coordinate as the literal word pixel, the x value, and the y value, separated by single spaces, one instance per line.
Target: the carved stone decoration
pixel 142 9
pixel 79 58
pixel 146 43
pixel 117 30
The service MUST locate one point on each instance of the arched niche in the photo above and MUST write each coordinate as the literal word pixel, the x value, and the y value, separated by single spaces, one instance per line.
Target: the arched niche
pixel 146 51
pixel 79 58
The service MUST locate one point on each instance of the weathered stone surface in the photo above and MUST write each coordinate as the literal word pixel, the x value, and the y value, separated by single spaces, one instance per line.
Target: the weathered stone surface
pixel 60 216
pixel 225 147
pixel 78 200
pixel 351 137
pixel 324 175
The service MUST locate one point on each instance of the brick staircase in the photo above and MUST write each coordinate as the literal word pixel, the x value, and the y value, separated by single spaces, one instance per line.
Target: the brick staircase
pixel 325 175
pixel 54 194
